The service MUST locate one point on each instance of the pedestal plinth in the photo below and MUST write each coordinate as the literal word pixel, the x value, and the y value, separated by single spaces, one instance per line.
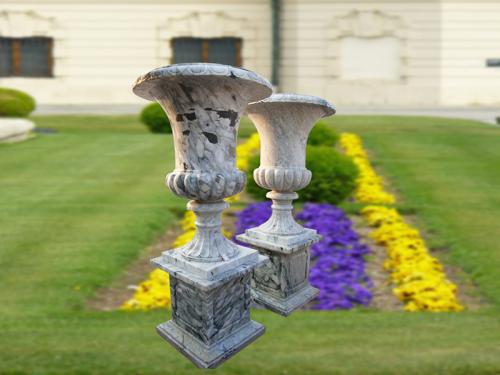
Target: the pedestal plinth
pixel 281 285
pixel 210 306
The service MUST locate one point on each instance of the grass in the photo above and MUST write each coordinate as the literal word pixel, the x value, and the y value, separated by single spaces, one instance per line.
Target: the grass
pixel 77 206
pixel 447 171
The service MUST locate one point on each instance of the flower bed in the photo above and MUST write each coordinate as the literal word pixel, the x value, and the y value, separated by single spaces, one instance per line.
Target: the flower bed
pixel 419 277
pixel 338 267
pixel 370 187
pixel 154 292
pixel 338 261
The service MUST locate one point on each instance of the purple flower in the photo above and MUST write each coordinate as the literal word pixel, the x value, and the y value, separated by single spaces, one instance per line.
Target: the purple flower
pixel 338 261
pixel 253 215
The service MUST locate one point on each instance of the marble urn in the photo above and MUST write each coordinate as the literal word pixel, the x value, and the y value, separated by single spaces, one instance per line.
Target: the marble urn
pixel 210 276
pixel 283 122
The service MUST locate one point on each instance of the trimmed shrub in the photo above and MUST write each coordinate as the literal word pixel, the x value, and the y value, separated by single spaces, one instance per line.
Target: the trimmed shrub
pixel 322 135
pixel 15 103
pixel 252 188
pixel 333 176
pixel 155 119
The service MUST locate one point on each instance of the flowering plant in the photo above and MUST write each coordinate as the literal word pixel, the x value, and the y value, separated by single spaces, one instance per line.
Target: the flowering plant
pixel 338 269
pixel 151 293
pixel 420 279
pixel 370 188
pixel 338 261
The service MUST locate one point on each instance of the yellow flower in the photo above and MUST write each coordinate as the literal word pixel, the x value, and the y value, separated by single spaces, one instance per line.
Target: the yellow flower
pixel 151 293
pixel 246 150
pixel 369 187
pixel 419 277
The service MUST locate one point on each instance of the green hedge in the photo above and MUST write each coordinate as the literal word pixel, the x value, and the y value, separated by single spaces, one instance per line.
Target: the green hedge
pixel 333 176
pixel 322 135
pixel 15 103
pixel 154 117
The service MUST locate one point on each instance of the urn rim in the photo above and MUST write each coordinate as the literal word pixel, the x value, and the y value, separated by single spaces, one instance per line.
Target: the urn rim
pixel 144 84
pixel 297 99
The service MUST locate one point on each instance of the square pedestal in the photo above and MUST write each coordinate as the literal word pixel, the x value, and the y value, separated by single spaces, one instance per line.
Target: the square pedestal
pixel 209 356
pixel 210 306
pixel 282 284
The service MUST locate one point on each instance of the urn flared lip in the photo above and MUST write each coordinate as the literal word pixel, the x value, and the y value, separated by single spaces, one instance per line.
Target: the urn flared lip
pixel 259 88
pixel 296 99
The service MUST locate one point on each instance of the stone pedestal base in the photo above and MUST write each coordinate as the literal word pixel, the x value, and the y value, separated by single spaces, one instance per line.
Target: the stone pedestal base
pixel 284 305
pixel 210 306
pixel 282 284
pixel 209 356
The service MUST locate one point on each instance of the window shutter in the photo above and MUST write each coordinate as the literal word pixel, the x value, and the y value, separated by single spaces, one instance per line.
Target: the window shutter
pixel 224 51
pixel 187 50
pixel 5 57
pixel 36 57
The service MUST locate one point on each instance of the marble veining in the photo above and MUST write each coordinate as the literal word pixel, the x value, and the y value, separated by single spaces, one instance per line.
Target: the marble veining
pixel 284 122
pixel 210 275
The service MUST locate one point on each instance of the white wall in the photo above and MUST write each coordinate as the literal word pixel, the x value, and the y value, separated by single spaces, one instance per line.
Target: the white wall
pixel 470 35
pixel 102 47
pixel 312 54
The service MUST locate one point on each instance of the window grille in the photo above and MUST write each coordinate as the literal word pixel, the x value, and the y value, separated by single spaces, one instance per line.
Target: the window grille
pixel 213 50
pixel 26 57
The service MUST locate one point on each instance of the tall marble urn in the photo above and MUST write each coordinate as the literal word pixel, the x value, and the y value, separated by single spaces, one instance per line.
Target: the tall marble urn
pixel 210 276
pixel 284 122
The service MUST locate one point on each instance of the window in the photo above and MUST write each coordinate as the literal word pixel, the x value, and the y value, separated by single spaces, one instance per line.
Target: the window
pixel 217 50
pixel 26 57
pixel 370 58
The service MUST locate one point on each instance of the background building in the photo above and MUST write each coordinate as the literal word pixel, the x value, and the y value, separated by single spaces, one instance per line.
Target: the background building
pixel 396 52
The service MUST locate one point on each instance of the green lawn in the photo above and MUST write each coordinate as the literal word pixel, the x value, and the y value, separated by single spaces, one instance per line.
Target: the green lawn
pixel 448 171
pixel 79 205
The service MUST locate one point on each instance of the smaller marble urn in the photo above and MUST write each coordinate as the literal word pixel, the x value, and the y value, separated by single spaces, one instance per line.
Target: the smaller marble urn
pixel 284 122
pixel 209 276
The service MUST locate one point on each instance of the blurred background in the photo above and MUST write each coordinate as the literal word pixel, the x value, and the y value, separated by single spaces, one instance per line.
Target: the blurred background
pixel 395 53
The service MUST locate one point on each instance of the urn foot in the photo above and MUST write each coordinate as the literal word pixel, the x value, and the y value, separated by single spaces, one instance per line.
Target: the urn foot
pixel 285 305
pixel 210 306
pixel 209 355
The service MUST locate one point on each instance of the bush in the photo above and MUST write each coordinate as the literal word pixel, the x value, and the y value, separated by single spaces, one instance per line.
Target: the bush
pixel 252 188
pixel 323 135
pixel 333 176
pixel 155 119
pixel 15 103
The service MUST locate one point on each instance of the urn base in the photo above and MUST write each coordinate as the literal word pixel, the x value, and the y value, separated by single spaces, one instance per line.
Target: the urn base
pixel 210 306
pixel 212 355
pixel 206 273
pixel 282 243
pixel 285 305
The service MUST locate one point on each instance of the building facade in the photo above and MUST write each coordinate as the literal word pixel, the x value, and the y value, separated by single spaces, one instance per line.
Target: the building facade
pixel 406 53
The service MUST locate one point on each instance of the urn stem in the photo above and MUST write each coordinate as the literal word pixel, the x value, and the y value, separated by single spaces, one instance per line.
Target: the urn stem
pixel 209 243
pixel 282 221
